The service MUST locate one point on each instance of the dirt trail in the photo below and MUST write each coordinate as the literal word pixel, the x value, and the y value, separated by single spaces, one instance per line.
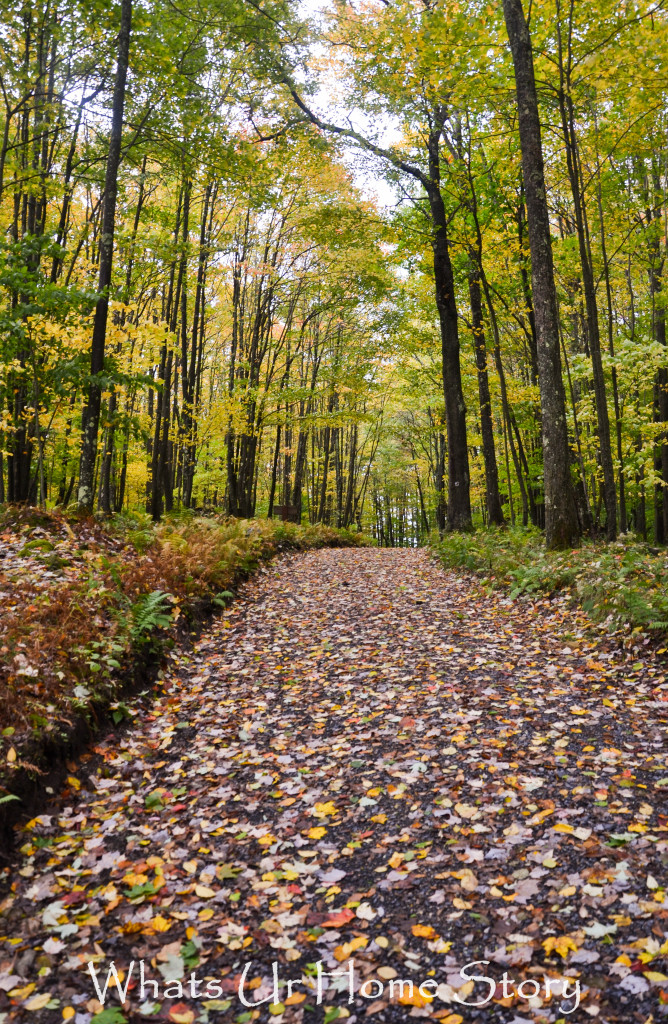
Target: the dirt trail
pixel 366 759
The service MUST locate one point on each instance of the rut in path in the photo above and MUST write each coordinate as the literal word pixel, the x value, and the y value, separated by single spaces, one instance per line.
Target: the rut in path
pixel 369 759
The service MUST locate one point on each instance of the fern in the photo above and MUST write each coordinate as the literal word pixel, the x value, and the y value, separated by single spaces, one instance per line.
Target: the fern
pixel 152 611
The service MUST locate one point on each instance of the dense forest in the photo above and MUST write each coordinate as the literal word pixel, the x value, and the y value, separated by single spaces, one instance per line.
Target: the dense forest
pixel 206 304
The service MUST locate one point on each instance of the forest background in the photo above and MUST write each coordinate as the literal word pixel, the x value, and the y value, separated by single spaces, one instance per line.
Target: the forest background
pixel 203 306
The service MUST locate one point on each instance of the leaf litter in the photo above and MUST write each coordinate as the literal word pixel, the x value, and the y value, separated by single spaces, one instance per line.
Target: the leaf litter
pixel 366 759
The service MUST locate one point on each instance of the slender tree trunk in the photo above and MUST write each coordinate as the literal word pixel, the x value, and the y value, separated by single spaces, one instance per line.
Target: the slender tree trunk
pixel 274 472
pixel 589 289
pixel 459 484
pixel 91 416
pixel 493 501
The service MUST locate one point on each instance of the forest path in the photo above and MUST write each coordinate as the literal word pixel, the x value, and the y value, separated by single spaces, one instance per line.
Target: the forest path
pixel 367 758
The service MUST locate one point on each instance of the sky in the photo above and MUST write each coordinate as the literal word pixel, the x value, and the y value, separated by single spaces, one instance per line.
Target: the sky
pixel 367 170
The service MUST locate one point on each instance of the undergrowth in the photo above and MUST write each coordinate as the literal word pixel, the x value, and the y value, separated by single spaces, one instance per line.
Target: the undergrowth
pixel 624 582
pixel 81 600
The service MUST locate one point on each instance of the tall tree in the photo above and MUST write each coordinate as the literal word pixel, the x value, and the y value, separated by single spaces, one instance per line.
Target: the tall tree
pixel 91 416
pixel 562 528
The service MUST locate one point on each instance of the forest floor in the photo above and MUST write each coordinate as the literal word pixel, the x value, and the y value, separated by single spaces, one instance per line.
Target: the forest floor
pixel 366 758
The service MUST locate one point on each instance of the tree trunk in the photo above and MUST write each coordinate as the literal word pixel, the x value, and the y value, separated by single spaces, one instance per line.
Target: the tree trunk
pixel 91 416
pixel 459 493
pixel 591 305
pixel 493 501
pixel 562 528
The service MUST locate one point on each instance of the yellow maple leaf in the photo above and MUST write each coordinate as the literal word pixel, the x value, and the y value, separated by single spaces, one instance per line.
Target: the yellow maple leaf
pixel 562 944
pixel 322 810
pixel 424 931
pixel 317 833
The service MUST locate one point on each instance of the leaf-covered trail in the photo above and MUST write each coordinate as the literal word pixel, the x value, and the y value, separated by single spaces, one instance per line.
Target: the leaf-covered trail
pixel 367 759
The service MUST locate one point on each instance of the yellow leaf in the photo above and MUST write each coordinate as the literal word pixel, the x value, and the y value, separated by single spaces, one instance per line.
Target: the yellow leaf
pixel 22 993
pixel 181 1016
pixel 206 914
pixel 295 998
pixel 396 860
pixel 74 783
pixel 322 810
pixel 380 819
pixel 414 998
pixel 135 878
pixel 317 833
pixel 68 1012
pixel 424 931
pixel 38 1002
pixel 204 892
pixel 161 924
pixel 466 810
pixel 540 816
pixel 11 755
pixel 561 827
pixel 655 976
pixel 345 951
pixel 560 943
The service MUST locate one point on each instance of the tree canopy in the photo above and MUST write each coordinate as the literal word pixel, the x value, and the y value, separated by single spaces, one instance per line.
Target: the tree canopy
pixel 202 304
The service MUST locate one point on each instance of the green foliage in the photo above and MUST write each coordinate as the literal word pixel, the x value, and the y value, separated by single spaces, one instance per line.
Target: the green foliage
pixel 152 611
pixel 111 1015
pixel 625 583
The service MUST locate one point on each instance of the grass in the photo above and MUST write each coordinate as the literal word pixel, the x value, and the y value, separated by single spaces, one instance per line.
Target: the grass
pixel 83 602
pixel 624 583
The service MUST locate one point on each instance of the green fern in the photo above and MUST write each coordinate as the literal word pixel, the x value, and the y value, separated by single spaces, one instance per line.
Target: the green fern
pixel 152 611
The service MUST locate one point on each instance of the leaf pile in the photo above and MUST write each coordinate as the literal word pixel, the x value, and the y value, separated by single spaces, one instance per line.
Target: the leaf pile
pixel 367 758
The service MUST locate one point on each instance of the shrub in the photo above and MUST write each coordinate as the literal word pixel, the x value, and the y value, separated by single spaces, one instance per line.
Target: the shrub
pixel 625 583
